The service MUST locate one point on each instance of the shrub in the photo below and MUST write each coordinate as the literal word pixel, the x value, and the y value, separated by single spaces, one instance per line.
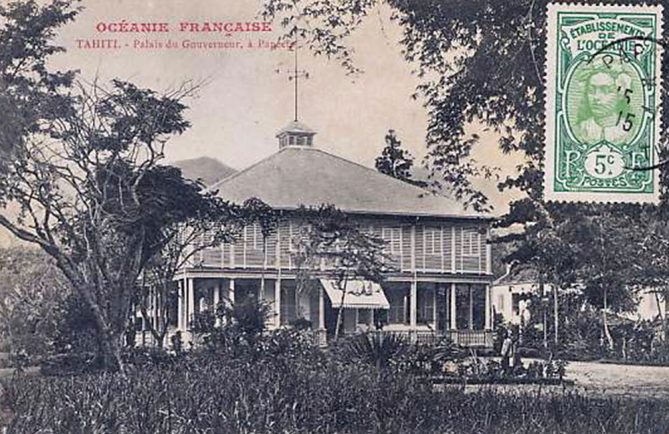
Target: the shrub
pixel 380 350
pixel 241 325
pixel 71 364
pixel 431 359
pixel 301 324
pixel 149 357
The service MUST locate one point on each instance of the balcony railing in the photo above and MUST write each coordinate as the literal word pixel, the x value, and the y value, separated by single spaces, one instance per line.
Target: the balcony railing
pixel 472 338
pixel 465 338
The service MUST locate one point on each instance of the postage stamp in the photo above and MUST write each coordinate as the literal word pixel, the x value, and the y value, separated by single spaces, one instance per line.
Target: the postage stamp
pixel 603 88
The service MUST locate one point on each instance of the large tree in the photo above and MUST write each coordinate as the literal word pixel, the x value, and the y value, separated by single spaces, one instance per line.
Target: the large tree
pixel 83 164
pixel 396 161
pixel 595 248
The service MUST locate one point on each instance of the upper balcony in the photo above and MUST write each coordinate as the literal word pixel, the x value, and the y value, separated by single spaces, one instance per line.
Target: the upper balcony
pixel 433 247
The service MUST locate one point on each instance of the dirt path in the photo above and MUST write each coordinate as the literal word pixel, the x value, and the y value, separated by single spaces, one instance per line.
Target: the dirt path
pixel 611 379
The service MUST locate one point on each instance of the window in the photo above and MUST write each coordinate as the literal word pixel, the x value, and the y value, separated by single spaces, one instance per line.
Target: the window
pixel 393 236
pixel 288 305
pixel 254 236
pixel 292 244
pixel 432 241
pixel 425 306
pixel 443 300
pixel 462 307
pixel 500 301
pixel 470 306
pixel 478 306
pixel 364 316
pixel 471 242
pixel 398 298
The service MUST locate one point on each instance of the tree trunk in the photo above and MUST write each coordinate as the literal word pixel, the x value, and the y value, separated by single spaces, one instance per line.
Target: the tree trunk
pixel 158 336
pixel 545 328
pixel 659 306
pixel 542 292
pixel 108 335
pixel 607 332
pixel 340 313
pixel 338 326
pixel 158 330
pixel 110 344
pixel 264 267
pixel 666 315
pixel 556 321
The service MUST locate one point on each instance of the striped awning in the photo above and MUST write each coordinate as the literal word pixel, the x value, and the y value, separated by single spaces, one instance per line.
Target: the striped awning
pixel 360 294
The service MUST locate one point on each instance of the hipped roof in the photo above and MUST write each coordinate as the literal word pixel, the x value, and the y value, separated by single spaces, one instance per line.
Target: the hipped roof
pixel 301 175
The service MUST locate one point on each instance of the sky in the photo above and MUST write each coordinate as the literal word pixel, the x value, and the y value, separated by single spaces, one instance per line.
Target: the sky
pixel 244 100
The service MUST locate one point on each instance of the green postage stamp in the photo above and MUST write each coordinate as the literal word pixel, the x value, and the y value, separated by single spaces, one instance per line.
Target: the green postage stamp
pixel 603 89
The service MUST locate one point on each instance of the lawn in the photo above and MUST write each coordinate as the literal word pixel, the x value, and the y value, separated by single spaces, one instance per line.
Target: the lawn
pixel 279 382
pixel 307 395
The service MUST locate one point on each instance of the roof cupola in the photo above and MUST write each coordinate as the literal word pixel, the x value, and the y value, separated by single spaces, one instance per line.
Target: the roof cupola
pixel 295 134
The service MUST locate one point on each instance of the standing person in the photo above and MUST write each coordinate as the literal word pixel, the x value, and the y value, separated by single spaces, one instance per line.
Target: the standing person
pixel 506 352
pixel 516 363
pixel 177 342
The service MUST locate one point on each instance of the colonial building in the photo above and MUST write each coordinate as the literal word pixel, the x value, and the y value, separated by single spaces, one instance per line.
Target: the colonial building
pixel 441 261
pixel 512 292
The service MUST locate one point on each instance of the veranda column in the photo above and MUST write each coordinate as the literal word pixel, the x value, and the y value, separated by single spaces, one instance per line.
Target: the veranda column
pixel 488 319
pixel 435 311
pixel 180 305
pixel 156 309
pixel 191 301
pixel 152 307
pixel 217 300
pixel 471 308
pixel 231 292
pixel 321 309
pixel 217 293
pixel 413 305
pixel 277 302
pixel 413 302
pixel 453 308
pixel 185 305
pixel 488 254
pixel 322 335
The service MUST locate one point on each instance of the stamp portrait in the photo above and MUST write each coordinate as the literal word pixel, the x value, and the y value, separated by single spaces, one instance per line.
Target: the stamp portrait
pixel 603 86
